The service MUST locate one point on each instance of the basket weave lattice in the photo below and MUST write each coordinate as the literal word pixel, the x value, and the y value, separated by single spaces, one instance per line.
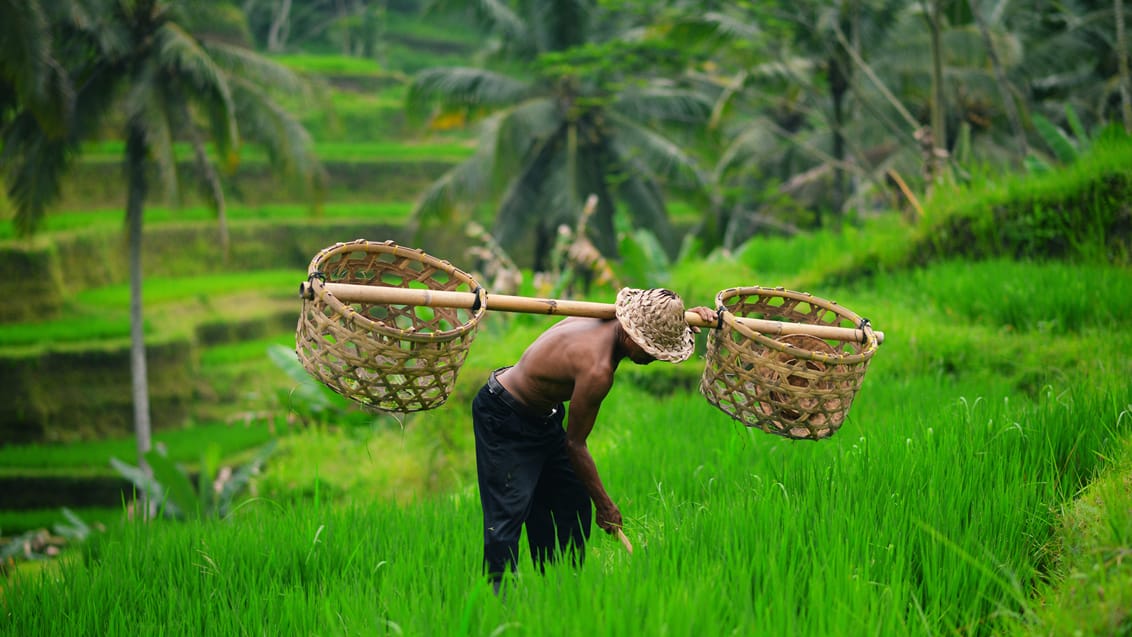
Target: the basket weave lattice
pixel 798 386
pixel 399 358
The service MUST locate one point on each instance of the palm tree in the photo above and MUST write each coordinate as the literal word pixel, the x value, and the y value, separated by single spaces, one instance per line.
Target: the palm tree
pixel 797 136
pixel 151 67
pixel 1072 58
pixel 579 113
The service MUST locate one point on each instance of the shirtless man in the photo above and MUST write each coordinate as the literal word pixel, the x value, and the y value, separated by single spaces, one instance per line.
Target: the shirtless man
pixel 533 472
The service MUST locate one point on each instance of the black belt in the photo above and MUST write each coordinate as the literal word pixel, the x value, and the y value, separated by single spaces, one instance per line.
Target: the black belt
pixel 499 391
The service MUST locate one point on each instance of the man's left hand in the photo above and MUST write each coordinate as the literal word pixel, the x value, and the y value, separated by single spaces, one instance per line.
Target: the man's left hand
pixel 707 314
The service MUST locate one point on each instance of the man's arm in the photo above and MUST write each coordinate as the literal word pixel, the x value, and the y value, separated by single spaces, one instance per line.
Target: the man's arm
pixel 581 416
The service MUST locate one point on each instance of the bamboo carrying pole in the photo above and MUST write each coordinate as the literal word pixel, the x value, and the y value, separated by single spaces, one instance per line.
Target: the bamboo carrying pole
pixel 353 293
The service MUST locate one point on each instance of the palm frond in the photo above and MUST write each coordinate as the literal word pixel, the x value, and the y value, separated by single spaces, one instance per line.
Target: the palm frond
pixel 645 203
pixel 754 139
pixel 542 186
pixel 209 178
pixel 558 25
pixel 662 156
pixel 25 46
pixel 256 68
pixel 29 70
pixel 289 146
pixel 463 88
pixel 713 26
pixel 214 20
pixel 664 104
pixel 519 129
pixel 508 139
pixel 144 109
pixel 112 38
pixel 591 178
pixel 502 20
pixel 33 164
pixel 457 191
pixel 159 139
pixel 195 67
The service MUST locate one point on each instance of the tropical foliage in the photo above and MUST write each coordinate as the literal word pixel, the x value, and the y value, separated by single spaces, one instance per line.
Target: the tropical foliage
pixel 567 106
pixel 816 111
pixel 170 485
pixel 157 71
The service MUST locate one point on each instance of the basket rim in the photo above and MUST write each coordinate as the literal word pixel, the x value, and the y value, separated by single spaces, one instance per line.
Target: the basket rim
pixel 320 293
pixel 729 318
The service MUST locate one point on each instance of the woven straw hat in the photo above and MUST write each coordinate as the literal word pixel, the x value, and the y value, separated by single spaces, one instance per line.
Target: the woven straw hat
pixel 654 319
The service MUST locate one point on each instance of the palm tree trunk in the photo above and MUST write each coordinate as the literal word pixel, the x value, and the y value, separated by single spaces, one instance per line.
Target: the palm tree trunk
pixel 277 35
pixel 1122 65
pixel 135 168
pixel 838 86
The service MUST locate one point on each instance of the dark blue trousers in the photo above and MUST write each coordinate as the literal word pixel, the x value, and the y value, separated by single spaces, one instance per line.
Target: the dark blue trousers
pixel 526 478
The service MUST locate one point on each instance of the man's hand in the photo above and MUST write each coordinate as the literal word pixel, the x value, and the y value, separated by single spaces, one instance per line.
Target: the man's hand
pixel 608 517
pixel 707 314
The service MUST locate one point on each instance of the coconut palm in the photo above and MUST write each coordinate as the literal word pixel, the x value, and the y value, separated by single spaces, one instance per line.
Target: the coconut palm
pixel 161 71
pixel 578 112
pixel 791 122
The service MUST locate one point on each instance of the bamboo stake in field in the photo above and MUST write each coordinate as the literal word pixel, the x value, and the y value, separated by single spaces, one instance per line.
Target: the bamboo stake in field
pixel 354 293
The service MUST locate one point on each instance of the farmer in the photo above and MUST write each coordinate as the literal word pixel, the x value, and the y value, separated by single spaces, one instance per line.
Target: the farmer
pixel 533 472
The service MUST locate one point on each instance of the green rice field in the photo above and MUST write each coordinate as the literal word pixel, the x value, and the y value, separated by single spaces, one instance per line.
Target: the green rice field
pixel 373 151
pixel 998 397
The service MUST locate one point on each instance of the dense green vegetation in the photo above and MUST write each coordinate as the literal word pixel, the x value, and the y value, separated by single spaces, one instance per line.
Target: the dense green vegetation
pixel 933 510
pixel 979 485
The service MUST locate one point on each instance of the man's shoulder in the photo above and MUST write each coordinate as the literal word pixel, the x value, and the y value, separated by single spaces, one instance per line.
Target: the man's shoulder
pixel 577 356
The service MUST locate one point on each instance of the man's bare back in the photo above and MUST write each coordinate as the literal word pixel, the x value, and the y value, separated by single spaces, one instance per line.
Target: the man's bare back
pixel 549 369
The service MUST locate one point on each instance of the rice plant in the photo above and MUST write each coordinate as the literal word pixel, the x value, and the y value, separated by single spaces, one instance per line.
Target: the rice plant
pixel 932 511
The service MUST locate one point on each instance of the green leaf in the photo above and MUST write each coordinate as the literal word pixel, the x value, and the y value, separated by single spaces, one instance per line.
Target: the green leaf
pixel 143 482
pixel 308 392
pixel 1075 125
pixel 465 88
pixel 1056 139
pixel 75 528
pixel 241 477
pixel 209 466
pixel 1036 165
pixel 175 482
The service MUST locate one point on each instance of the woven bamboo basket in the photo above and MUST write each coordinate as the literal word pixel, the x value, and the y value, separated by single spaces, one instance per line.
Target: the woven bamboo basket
pixel 798 386
pixel 397 358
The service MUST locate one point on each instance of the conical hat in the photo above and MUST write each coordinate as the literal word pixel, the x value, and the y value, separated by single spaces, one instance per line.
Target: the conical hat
pixel 654 319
